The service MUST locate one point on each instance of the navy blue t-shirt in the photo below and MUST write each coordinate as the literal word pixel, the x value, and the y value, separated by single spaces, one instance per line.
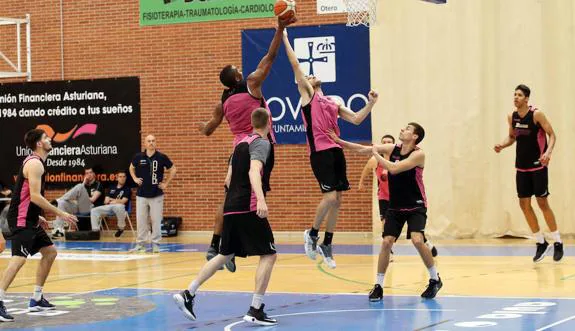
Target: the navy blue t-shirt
pixel 116 192
pixel 151 170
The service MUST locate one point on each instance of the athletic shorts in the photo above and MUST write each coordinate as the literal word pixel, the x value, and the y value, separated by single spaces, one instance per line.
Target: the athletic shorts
pixel 28 241
pixel 383 206
pixel 247 235
pixel 396 219
pixel 532 183
pixel 329 168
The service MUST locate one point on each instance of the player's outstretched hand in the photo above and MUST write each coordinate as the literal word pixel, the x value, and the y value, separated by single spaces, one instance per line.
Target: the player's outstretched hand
pixel 72 219
pixel 282 23
pixel 497 148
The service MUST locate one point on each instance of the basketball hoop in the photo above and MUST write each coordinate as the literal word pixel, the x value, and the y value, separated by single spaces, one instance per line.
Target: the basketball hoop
pixel 361 12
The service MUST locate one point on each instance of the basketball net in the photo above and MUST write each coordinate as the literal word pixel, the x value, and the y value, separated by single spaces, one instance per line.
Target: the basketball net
pixel 361 12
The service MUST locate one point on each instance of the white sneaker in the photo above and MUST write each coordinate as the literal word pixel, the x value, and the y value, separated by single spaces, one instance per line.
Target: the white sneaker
pixel 138 249
pixel 326 253
pixel 310 244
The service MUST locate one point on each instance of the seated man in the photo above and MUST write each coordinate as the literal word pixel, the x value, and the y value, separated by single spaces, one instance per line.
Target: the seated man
pixel 115 202
pixel 79 200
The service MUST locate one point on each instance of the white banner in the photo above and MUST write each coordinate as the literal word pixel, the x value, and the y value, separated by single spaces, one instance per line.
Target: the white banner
pixel 330 6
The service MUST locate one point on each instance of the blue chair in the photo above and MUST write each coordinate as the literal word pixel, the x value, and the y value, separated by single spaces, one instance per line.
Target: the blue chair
pixel 128 220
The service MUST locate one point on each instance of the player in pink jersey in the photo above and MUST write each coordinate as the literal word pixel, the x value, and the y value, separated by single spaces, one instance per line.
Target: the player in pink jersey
pixel 320 114
pixel 241 97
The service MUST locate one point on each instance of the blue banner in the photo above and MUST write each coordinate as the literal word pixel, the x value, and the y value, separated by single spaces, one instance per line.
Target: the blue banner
pixel 336 54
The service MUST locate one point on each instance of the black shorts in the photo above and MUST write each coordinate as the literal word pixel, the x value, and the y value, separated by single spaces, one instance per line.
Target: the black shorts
pixel 28 241
pixel 247 235
pixel 383 206
pixel 532 183
pixel 329 168
pixel 396 219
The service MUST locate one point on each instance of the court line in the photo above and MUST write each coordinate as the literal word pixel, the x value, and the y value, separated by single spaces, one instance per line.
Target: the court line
pixel 556 323
pixel 230 326
pixel 432 325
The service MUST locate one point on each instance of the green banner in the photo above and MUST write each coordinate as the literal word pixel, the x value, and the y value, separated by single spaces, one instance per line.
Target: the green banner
pixel 154 12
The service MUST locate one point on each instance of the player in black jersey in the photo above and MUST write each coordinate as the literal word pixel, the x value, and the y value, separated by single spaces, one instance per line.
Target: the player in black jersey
pixel 407 202
pixel 246 229
pixel 529 127
pixel 24 219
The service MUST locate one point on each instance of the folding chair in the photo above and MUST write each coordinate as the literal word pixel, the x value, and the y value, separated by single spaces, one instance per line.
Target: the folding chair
pixel 104 218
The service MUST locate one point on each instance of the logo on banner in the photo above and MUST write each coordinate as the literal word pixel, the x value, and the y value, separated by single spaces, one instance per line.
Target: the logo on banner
pixel 89 128
pixel 317 57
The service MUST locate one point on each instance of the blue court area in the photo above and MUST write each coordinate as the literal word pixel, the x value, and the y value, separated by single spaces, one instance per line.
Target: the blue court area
pixel 224 311
pixel 399 249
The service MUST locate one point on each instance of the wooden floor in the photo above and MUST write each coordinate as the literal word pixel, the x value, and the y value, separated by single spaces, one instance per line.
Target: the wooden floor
pixel 476 268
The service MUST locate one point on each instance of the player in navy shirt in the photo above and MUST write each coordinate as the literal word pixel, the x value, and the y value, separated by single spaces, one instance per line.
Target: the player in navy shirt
pixel 115 202
pixel 529 127
pixel 147 170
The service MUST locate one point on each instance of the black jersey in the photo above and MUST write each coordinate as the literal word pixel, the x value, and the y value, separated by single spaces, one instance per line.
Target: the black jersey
pixel 406 189
pixel 23 213
pixel 241 197
pixel 531 141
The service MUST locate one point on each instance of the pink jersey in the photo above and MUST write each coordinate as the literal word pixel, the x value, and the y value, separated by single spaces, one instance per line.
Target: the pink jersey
pixel 238 105
pixel 319 116
pixel 382 184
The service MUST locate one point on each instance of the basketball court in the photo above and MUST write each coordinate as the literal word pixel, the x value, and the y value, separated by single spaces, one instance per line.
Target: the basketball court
pixel 432 54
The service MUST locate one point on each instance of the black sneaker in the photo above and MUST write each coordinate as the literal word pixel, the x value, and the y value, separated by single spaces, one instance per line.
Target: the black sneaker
pixel 231 264
pixel 542 250
pixel 57 234
pixel 433 251
pixel 185 301
pixel 211 253
pixel 40 305
pixel 118 233
pixel 257 316
pixel 376 293
pixel 432 289
pixel 4 316
pixel 557 251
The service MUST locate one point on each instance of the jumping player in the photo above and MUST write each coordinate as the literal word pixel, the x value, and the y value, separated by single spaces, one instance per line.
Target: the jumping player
pixel 529 127
pixel 320 114
pixel 239 100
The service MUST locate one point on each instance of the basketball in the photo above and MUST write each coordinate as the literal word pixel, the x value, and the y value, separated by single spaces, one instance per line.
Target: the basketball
pixel 284 9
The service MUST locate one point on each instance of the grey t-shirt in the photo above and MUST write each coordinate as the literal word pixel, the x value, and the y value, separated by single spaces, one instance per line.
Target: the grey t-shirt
pixel 260 150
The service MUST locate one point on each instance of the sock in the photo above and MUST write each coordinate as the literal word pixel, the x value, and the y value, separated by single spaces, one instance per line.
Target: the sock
pixel 257 300
pixel 433 273
pixel 193 288
pixel 314 232
pixel 37 293
pixel 328 237
pixel 2 295
pixel 216 242
pixel 556 236
pixel 380 278
pixel 539 237
pixel 429 244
